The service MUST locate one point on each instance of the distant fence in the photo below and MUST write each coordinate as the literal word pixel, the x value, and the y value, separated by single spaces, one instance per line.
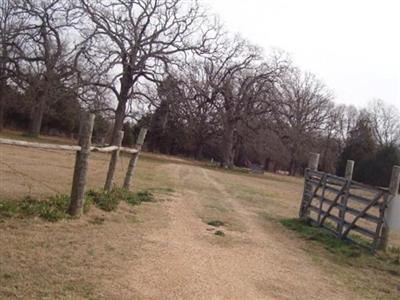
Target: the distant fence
pixel 83 150
pixel 344 206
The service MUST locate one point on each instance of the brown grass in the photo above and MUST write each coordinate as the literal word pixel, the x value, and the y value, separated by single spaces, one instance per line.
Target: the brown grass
pixel 165 249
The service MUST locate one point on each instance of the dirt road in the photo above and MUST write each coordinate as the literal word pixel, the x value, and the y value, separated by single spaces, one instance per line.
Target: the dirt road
pixel 185 260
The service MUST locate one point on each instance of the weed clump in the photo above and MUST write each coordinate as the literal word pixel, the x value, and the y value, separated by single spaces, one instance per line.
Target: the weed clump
pixel 137 198
pixel 51 209
pixel 109 201
pixel 215 223
pixel 219 233
pixel 8 208
pixel 55 208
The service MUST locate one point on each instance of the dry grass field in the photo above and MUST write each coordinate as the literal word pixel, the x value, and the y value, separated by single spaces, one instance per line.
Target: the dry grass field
pixel 165 249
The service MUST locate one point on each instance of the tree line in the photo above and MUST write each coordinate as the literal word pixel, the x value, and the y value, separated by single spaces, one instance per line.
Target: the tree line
pixel 170 66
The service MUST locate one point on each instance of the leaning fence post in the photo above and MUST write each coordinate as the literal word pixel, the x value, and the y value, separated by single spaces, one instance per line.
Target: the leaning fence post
pixel 113 162
pixel 348 174
pixel 392 212
pixel 81 166
pixel 134 158
pixel 312 165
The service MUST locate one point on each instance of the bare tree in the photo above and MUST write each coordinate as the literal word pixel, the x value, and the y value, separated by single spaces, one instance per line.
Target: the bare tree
pixel 136 40
pixel 385 122
pixel 300 109
pixel 43 58
pixel 196 111
pixel 10 29
pixel 236 83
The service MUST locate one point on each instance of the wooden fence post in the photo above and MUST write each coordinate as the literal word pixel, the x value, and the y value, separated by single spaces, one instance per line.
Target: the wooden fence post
pixel 81 166
pixel 390 210
pixel 313 161
pixel 348 174
pixel 312 165
pixel 134 158
pixel 113 162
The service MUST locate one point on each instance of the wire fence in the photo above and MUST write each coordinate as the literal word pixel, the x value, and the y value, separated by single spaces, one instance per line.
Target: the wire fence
pixel 38 168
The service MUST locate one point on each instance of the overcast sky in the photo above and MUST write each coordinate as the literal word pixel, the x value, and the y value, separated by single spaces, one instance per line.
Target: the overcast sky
pixel 352 45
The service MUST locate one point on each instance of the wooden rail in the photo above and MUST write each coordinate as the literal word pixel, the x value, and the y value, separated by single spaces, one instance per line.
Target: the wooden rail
pixel 65 147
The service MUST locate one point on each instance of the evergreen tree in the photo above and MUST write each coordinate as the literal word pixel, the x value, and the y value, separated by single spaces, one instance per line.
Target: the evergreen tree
pixel 361 148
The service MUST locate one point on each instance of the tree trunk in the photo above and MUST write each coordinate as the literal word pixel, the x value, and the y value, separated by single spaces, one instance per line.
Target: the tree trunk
pixel 292 166
pixel 199 151
pixel 119 121
pixel 120 114
pixel 37 117
pixel 267 164
pixel 2 109
pixel 228 146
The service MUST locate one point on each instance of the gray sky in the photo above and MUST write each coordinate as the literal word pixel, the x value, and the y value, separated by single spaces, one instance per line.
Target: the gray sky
pixel 352 45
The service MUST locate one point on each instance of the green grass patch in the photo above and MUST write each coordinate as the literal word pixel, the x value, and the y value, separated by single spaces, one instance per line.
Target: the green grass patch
pixel 163 190
pixel 51 209
pixel 219 233
pixel 97 221
pixel 109 201
pixel 139 197
pixel 216 223
pixel 322 237
pixel 55 208
pixel 345 252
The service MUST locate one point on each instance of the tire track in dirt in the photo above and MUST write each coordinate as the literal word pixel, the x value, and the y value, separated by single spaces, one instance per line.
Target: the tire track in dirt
pixel 181 261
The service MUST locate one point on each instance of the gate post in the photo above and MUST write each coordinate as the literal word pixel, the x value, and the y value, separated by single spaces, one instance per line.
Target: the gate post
pixel 312 165
pixel 313 161
pixel 392 210
pixel 348 174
